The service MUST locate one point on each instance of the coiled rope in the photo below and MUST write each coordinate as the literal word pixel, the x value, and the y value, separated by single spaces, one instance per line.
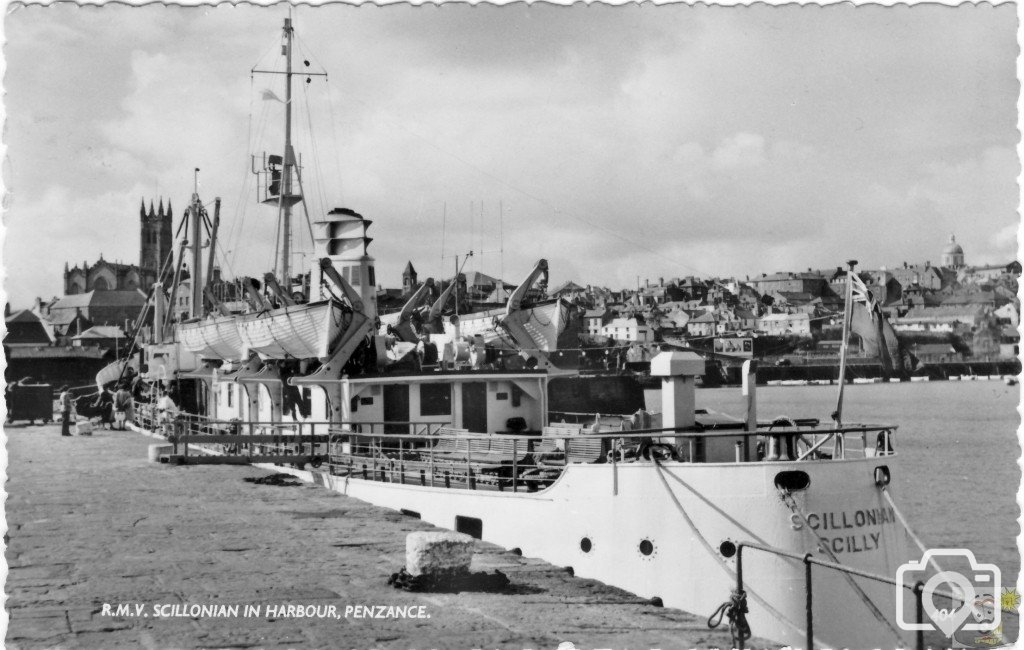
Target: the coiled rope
pixel 735 609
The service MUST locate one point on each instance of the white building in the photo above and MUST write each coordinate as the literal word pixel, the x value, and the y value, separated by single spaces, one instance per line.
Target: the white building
pixel 784 324
pixel 628 329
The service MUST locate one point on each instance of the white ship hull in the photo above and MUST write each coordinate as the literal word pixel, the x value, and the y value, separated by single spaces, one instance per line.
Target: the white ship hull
pixel 618 508
pixel 299 331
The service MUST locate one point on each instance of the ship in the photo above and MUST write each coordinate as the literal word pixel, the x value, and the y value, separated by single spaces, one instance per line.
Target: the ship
pixel 701 511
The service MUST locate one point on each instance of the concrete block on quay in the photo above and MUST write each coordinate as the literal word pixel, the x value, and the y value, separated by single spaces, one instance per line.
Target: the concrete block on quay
pixel 438 553
pixel 156 451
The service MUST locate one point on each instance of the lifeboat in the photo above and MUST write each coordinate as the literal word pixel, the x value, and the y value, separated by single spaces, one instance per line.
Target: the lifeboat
pixel 215 338
pixel 296 331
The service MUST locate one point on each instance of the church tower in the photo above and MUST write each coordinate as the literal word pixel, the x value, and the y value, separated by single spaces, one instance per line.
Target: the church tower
pixel 156 241
pixel 409 284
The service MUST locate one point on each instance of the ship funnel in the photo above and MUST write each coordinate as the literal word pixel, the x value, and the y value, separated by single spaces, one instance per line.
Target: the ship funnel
pixel 341 237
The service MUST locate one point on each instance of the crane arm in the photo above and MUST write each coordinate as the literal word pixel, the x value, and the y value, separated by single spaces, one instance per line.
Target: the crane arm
pixel 282 295
pixel 415 300
pixel 435 309
pixel 255 297
pixel 351 294
pixel 515 301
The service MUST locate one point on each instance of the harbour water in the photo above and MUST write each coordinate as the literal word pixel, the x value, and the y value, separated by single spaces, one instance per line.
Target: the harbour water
pixel 958 474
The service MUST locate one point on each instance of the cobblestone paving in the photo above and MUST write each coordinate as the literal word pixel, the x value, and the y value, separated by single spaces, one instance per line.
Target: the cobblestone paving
pixel 92 522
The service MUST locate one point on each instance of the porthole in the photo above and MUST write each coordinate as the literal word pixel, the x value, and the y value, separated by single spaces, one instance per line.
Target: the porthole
pixel 586 545
pixel 727 548
pixel 646 547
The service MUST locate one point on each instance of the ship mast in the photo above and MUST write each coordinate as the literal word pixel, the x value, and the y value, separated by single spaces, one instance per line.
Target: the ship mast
pixel 195 224
pixel 289 161
pixel 279 174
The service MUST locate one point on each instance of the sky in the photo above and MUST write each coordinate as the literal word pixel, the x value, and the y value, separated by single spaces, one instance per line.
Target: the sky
pixel 616 142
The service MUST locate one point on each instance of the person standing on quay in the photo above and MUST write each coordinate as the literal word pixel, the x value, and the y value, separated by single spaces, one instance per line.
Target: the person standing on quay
pixel 105 403
pixel 123 407
pixel 66 404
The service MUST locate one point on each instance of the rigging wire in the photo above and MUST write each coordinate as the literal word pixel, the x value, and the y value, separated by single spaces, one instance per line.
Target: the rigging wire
pixel 321 185
pixel 316 167
pixel 308 56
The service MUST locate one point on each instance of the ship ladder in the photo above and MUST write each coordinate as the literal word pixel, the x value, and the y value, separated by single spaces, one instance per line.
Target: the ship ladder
pixel 787 498
pixel 735 608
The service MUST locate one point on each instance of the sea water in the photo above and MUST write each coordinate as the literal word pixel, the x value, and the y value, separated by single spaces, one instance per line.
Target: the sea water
pixel 957 475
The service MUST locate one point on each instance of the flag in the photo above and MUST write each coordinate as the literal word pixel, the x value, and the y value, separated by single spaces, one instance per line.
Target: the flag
pixel 269 95
pixel 877 336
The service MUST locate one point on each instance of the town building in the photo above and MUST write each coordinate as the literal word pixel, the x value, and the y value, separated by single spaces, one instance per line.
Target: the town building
pixel 630 328
pixel 594 320
pixel 110 337
pixel 785 324
pixel 811 282
pixel 25 329
pixel 119 308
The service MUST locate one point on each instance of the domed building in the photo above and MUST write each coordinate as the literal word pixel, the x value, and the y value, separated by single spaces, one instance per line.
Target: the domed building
pixel 953 254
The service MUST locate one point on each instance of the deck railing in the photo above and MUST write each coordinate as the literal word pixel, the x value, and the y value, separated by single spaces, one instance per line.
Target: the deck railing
pixel 441 455
pixel 456 458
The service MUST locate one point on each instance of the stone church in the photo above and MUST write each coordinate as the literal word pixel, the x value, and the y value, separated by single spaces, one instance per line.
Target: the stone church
pixel 155 248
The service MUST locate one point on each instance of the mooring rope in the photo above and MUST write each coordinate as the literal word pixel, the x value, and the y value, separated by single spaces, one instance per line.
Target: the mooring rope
pixel 736 599
pixel 906 527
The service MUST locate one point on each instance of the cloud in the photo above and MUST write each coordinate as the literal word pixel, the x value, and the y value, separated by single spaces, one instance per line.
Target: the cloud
pixel 740 151
pixel 622 141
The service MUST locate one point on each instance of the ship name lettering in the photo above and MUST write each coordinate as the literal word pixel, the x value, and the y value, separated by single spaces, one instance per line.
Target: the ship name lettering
pixel 853 543
pixel 856 519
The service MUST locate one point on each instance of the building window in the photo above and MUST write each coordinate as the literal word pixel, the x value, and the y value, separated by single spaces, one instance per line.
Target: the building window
pixel 230 391
pixel 436 399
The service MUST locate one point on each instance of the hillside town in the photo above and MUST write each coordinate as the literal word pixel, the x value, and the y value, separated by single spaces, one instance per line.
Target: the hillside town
pixel 951 311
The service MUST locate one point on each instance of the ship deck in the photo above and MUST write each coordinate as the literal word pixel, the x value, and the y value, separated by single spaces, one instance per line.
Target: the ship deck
pixel 91 521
